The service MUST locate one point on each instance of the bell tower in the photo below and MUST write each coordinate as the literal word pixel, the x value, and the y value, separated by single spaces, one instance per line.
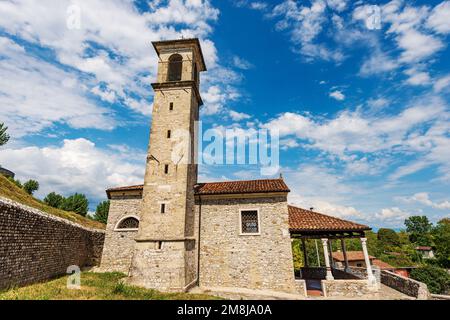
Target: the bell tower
pixel 165 256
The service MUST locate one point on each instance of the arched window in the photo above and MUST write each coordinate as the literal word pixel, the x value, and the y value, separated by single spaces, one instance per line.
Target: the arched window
pixel 175 67
pixel 128 223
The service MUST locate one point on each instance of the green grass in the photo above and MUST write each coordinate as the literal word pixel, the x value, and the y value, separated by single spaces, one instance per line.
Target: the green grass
pixel 10 191
pixel 94 286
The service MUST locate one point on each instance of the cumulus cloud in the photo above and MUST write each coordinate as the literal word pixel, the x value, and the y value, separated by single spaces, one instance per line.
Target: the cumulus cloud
pixel 393 215
pixel 76 166
pixel 105 48
pixel 419 129
pixel 35 95
pixel 424 198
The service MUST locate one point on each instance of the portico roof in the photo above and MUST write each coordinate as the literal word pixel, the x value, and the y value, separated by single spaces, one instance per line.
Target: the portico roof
pixel 305 222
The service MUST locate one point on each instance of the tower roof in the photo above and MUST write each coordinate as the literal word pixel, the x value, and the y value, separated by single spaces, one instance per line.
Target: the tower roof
pixel 179 44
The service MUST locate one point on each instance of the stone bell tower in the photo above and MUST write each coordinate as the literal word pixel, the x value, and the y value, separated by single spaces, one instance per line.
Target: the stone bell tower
pixel 165 255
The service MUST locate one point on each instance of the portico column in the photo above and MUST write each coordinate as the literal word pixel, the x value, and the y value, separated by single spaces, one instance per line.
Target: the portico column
pixel 344 251
pixel 327 259
pixel 370 275
pixel 305 256
pixel 330 245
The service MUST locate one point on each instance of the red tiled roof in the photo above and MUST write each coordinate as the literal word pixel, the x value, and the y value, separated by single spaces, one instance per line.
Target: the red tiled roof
pixel 382 265
pixel 305 220
pixel 235 187
pixel 227 187
pixel 351 256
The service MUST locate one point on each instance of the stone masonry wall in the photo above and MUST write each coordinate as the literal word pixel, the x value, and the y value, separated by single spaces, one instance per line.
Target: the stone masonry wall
pixel 35 246
pixel 348 288
pixel 119 245
pixel 228 259
pixel 407 286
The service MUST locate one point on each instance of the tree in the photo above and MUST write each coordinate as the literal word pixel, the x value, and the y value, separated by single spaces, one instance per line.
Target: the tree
pixel 77 203
pixel 54 200
pixel 4 137
pixel 101 212
pixel 441 234
pixel 436 279
pixel 388 238
pixel 419 228
pixel 31 186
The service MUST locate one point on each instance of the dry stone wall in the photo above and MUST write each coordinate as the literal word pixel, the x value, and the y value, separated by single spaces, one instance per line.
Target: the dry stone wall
pixel 35 246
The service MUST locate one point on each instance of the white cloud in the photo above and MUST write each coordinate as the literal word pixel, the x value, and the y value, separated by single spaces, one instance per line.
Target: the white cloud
pixel 424 198
pixel 111 50
pixel 417 78
pixel 35 94
pixel 417 46
pixel 338 5
pixel 420 129
pixel 238 116
pixel 378 63
pixel 442 83
pixel 305 24
pixel 76 166
pixel 393 215
pixel 338 95
pixel 439 19
pixel 241 63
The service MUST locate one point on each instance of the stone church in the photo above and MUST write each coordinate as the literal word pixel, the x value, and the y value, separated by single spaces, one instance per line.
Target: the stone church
pixel 173 233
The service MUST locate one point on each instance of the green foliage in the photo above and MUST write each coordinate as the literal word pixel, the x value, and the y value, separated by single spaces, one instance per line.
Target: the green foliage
pixel 31 186
pixel 437 279
pixel 77 203
pixel 54 200
pixel 4 137
pixel 441 235
pixel 101 213
pixel 419 228
pixel 388 238
pixel 16 182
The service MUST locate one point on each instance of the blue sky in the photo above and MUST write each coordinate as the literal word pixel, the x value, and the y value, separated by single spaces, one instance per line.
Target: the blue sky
pixel 362 107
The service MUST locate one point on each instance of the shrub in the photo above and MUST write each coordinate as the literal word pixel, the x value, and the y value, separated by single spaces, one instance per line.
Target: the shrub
pixel 437 279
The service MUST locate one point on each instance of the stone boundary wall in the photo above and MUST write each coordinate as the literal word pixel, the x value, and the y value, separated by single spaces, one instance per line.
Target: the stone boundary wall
pixel 407 286
pixel 348 288
pixel 36 246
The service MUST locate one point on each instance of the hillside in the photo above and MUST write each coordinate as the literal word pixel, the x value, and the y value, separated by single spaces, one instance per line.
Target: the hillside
pixel 10 191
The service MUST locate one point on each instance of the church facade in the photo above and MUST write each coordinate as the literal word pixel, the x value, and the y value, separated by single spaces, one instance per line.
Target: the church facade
pixel 173 233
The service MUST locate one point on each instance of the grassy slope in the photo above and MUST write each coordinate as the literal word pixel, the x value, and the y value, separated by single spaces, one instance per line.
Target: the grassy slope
pixel 11 191
pixel 94 286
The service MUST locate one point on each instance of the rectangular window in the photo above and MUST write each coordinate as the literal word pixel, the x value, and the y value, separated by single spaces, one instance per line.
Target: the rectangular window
pixel 169 134
pixel 171 106
pixel 249 222
pixel 163 208
pixel 166 169
pixel 159 245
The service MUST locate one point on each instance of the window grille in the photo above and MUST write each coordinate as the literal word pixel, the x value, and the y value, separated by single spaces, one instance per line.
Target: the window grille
pixel 129 223
pixel 249 221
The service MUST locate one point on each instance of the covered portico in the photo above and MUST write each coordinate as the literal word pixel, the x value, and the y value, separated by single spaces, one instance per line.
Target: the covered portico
pixel 307 224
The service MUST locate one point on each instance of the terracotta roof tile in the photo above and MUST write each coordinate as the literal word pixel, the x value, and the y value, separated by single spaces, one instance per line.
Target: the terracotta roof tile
pixel 351 256
pixel 382 265
pixel 227 187
pixel 249 186
pixel 305 220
